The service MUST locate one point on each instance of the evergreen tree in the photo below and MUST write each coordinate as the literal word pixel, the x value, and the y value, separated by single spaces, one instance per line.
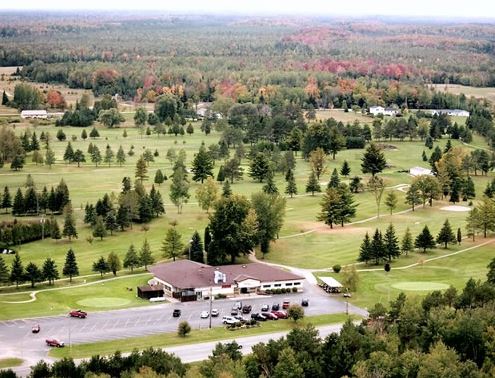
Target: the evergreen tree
pixel 17 162
pixel 373 160
pixel 99 230
pixel 159 178
pixel 120 156
pixel 69 229
pixel 96 155
pixel 33 274
pixel 407 242
pixel 365 252
pixel 202 165
pixel 446 235
pixel 78 157
pixel 473 223
pixel 196 247
pixel 334 179
pixel 141 169
pixel 5 99
pixel 469 191
pixel 94 133
pixel 330 207
pixel 4 271
pixel 111 222
pixel 124 217
pixel 424 240
pixel 413 196
pixel 391 243
pixel 145 209
pixel 291 188
pixel 109 155
pixel 346 169
pixel 347 205
pixel 423 156
pixel 49 157
pixel 50 272
pixel 6 199
pixel 84 135
pixel 172 245
pixel 131 259
pixel 101 266
pixel 226 189
pixel 61 135
pixel 288 365
pixel 391 201
pixel 113 262
pixel 259 167
pixel 313 185
pixel 89 214
pixel 221 174
pixel 459 236
pixel 448 146
pixel 69 153
pixel 429 142
pixel 18 205
pixel 377 247
pixel 207 238
pixel 455 189
pixel 270 187
pixel 55 229
pixel 17 271
pixel 70 267
pixel 179 189
pixel 145 256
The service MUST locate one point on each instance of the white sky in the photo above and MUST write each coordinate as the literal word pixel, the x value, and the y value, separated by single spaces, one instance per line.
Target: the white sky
pixel 429 8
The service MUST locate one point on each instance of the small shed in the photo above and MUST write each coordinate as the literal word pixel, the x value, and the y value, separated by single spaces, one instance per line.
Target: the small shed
pixel 148 291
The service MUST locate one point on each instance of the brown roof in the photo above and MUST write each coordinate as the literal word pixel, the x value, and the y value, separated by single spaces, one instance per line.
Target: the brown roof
pixel 186 274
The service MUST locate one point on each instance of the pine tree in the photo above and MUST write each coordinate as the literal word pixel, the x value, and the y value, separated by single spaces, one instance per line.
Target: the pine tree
pixel 131 259
pixel 94 133
pixel 17 271
pixel 455 188
pixel 33 274
pixel 4 271
pixel 391 201
pixel 55 229
pixel 84 135
pixel 448 146
pixel 313 185
pixel 18 205
pixel 413 197
pixel 5 99
pixel 78 157
pixel 196 248
pixel 221 174
pixel 259 167
pixel 459 236
pixel 423 156
pixel 124 217
pixel 99 230
pixel 109 155
pixel 270 187
pixel 111 222
pixel 159 178
pixel 179 189
pixel 113 262
pixel 50 272
pixel 120 156
pixel 391 243
pixel 69 153
pixel 49 157
pixel 69 230
pixel 446 235
pixel 347 205
pixel 101 266
pixel 141 169
pixel 334 179
pixel 365 252
pixel 172 245
pixel 377 247
pixel 330 207
pixel 207 238
pixel 89 214
pixel 473 223
pixel 70 267
pixel 226 189
pixel 156 202
pixel 373 160
pixel 407 242
pixel 424 240
pixel 346 169
pixel 6 199
pixel 468 191
pixel 291 188
pixel 202 165
pixel 145 256
pixel 96 155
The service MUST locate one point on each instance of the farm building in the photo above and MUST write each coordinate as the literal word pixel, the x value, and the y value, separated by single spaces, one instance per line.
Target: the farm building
pixel 377 110
pixel 187 280
pixel 34 114
pixel 420 171
pixel 450 112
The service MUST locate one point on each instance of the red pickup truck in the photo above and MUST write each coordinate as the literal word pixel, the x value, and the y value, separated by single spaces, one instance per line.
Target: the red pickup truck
pixel 78 314
pixel 54 343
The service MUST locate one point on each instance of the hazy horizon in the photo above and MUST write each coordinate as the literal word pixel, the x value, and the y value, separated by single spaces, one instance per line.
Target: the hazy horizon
pixel 444 9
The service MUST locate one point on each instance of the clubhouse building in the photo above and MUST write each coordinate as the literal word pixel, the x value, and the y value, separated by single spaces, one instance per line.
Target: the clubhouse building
pixel 187 280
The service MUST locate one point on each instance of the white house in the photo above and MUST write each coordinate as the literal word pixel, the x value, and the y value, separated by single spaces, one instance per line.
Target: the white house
pixel 420 171
pixel 34 114
pixel 187 280
pixel 377 110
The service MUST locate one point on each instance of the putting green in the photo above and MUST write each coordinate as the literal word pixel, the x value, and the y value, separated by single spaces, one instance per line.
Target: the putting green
pixel 419 286
pixel 103 302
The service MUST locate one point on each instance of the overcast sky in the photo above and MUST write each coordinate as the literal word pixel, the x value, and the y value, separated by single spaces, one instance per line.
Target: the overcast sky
pixel 429 8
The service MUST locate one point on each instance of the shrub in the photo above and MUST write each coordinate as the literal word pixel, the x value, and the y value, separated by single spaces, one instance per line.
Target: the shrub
pixel 278 291
pixel 336 268
pixel 268 291
pixel 295 312
pixel 294 289
pixel 183 329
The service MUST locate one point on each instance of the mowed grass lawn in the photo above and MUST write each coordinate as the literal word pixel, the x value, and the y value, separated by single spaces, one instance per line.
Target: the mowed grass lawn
pixel 196 336
pixel 97 296
pixel 10 362
pixel 381 287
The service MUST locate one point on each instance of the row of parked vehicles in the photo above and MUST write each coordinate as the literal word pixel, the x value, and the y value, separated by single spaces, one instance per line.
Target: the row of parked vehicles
pixel 55 342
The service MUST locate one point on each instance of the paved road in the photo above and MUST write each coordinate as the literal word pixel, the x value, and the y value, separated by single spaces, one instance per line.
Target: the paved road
pixel 17 340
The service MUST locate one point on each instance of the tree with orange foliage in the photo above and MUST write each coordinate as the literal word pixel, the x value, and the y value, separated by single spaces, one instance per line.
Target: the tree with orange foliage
pixel 55 99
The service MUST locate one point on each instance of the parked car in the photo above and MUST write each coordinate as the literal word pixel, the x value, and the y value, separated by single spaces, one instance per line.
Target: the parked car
pixel 240 318
pixel 238 305
pixel 204 314
pixel 265 308
pixel 234 311
pixel 215 312
pixel 305 302
pixel 280 314
pixel 258 316
pixel 285 304
pixel 78 314
pixel 270 315
pixel 347 295
pixel 36 328
pixel 246 309
pixel 229 320
pixel 55 343
pixel 275 307
pixel 176 313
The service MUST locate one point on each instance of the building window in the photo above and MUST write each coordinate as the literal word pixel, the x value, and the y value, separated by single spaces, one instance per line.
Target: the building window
pixel 266 286
pixel 277 285
pixel 288 284
pixel 296 283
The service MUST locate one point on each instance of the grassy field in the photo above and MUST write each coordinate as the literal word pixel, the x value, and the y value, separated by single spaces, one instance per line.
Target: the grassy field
pixel 377 286
pixel 340 115
pixel 486 92
pixel 196 336
pixel 10 362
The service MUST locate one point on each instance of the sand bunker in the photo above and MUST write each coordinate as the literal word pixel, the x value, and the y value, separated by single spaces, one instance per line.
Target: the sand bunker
pixel 456 208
